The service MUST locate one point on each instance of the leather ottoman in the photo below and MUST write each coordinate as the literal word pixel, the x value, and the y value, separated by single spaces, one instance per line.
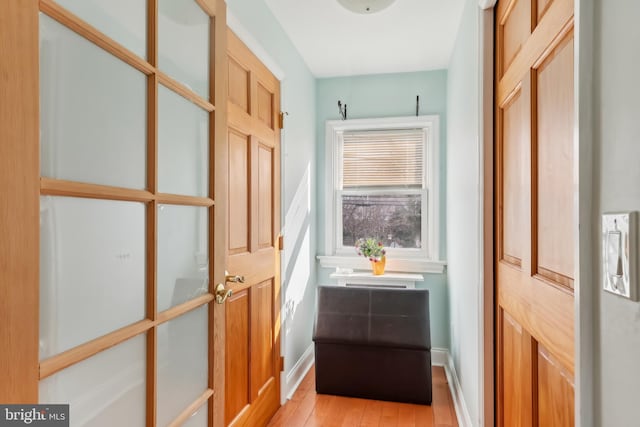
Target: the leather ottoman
pixel 373 343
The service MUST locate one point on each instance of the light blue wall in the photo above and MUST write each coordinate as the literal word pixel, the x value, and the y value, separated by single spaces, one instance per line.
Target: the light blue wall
pixel 298 176
pixel 464 207
pixel 389 95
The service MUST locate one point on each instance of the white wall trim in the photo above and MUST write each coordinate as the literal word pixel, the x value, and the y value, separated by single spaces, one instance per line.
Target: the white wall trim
pixel 441 357
pixel 295 376
pixel 486 4
pixel 333 137
pixel 586 221
pixel 254 45
pixel 393 264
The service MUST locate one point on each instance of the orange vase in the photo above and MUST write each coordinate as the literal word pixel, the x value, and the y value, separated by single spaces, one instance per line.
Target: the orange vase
pixel 378 266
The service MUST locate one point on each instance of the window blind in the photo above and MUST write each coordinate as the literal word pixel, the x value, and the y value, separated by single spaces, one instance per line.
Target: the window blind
pixel 383 158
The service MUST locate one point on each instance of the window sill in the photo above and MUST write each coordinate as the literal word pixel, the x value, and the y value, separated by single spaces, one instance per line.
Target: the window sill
pixel 393 264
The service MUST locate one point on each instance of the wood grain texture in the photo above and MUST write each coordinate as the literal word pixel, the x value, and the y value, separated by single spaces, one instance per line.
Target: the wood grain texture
pixel 254 211
pixel 60 361
pixel 264 221
pixel 179 199
pixel 185 307
pixel 238 85
pixel 307 408
pixel 557 21
pixel 555 385
pixel 516 29
pixel 541 8
pixel 516 384
pixel 19 125
pixel 19 204
pixel 58 187
pixel 184 91
pixel 554 162
pixel 210 7
pixel 237 393
pixel 191 409
pixel 254 194
pixel 239 192
pixel 534 302
pixel 254 265
pixel 218 219
pixel 261 337
pixel 513 146
pixel 265 106
pixel 152 215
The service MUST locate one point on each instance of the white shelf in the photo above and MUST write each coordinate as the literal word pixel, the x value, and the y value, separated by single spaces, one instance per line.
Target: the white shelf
pixel 393 280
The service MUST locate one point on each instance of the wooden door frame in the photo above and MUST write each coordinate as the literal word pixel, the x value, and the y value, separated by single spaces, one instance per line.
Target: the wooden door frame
pixel 218 251
pixel 20 201
pixel 486 56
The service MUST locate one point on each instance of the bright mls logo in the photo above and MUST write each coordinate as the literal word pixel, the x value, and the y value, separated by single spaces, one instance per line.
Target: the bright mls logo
pixel 34 415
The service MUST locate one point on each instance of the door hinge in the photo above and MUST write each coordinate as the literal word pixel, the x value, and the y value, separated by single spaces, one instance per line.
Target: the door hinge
pixel 281 119
pixel 281 364
pixel 280 242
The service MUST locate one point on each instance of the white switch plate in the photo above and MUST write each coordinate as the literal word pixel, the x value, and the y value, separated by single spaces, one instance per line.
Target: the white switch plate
pixel 620 254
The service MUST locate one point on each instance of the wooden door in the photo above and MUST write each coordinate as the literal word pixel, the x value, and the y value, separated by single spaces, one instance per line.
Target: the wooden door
pixel 536 219
pixel 109 147
pixel 253 312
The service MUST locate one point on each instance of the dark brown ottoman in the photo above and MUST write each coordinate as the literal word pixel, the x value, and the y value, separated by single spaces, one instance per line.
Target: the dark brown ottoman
pixel 373 343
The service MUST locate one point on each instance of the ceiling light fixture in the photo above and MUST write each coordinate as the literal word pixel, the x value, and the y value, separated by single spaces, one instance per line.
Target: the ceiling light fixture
pixel 365 6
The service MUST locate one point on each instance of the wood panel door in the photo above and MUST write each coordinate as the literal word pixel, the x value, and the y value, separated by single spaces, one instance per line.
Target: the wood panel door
pixel 253 311
pixel 535 214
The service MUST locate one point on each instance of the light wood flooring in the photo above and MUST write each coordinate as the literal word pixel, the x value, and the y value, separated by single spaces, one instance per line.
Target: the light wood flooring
pixel 306 409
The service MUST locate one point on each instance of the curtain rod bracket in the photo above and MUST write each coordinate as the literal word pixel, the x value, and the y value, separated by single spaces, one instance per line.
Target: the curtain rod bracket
pixel 343 110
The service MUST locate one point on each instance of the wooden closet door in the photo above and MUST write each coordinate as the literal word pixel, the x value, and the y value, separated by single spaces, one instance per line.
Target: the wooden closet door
pixel 536 221
pixel 253 312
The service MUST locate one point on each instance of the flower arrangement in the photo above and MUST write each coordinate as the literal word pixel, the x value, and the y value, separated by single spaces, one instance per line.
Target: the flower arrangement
pixel 370 248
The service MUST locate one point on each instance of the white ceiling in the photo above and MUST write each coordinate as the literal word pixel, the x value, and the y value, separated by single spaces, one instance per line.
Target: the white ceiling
pixel 410 35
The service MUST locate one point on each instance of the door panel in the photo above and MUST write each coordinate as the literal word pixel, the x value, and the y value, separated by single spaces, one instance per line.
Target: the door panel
pixel 237 378
pixel 512 180
pixel 516 26
pixel 265 197
pixel 265 106
pixel 517 362
pixel 261 336
pixel 238 85
pixel 555 386
pixel 555 152
pixel 535 213
pixel 254 202
pixel 239 192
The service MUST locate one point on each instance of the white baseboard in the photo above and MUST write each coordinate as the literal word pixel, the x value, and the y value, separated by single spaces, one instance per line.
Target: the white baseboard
pixel 441 357
pixel 294 377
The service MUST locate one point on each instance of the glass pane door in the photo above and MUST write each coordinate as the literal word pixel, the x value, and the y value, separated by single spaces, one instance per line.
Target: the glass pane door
pixel 125 211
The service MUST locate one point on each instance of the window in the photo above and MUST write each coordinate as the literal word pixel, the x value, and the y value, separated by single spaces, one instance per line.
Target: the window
pixel 382 182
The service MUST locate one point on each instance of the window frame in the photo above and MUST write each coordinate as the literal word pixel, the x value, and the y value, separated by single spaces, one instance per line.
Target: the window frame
pixel 425 259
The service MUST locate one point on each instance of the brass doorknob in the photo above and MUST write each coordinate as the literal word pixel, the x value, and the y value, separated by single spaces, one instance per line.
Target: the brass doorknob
pixel 233 279
pixel 222 294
